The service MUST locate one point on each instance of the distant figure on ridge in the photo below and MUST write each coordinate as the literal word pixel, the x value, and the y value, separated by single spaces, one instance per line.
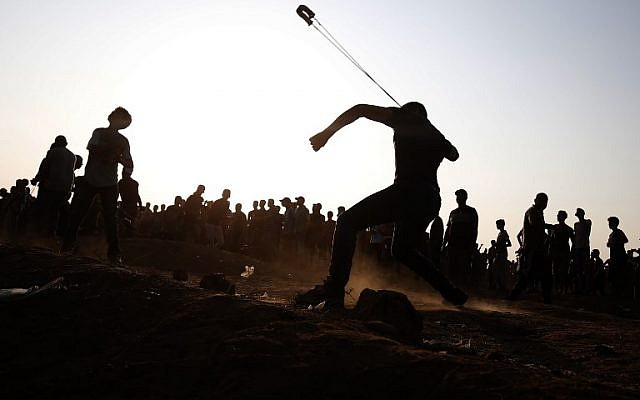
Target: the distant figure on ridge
pixel 617 257
pixel 580 252
pixel 193 210
pixel 237 227
pixel 501 256
pixel 217 213
pixel 560 250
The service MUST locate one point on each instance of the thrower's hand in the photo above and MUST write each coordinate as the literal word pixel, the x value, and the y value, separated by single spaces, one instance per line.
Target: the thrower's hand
pixel 319 140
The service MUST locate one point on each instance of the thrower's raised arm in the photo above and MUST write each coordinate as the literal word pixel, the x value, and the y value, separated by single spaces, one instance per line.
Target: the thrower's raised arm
pixel 374 113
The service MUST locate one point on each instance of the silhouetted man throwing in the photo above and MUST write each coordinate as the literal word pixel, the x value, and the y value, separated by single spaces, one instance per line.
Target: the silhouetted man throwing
pixel 107 148
pixel 411 202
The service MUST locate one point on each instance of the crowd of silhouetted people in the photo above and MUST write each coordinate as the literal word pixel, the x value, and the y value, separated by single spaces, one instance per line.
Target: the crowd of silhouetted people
pixel 551 258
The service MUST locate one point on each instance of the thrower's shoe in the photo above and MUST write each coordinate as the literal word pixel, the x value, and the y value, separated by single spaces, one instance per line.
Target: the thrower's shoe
pixel 456 297
pixel 333 299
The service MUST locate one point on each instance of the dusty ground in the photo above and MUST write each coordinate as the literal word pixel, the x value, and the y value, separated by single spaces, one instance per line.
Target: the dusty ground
pixel 135 333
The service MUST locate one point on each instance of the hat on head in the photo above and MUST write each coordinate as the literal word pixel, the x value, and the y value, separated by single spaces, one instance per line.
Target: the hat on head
pixel 285 200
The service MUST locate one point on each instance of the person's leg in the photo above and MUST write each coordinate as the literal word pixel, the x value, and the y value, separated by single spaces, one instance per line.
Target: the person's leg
pixel 57 202
pixel 218 236
pixel 376 209
pixel 42 207
pixel 546 275
pixel 80 204
pixel 525 275
pixel 210 234
pixel 109 200
pixel 407 237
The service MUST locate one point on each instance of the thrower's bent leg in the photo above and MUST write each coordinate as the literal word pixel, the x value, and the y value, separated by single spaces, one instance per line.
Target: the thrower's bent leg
pixel 405 248
pixel 374 210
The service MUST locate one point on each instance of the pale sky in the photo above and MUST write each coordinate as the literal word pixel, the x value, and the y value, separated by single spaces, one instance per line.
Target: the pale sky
pixel 536 95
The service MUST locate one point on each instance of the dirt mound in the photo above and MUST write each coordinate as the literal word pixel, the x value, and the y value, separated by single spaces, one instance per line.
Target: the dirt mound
pixel 116 333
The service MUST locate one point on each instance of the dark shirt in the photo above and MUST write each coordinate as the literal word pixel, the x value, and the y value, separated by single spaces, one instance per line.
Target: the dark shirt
pixel 419 148
pixel 616 242
pixel 238 222
pixel 128 188
pixel 56 170
pixel 533 229
pixel 106 149
pixel 560 236
pixel 462 227
pixel 218 211
pixel 436 233
pixel 193 205
pixel 502 243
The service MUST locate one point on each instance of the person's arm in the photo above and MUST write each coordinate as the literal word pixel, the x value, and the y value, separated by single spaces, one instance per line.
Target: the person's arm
pixel 125 159
pixel 44 165
pixel 447 233
pixel 374 113
pixel 475 226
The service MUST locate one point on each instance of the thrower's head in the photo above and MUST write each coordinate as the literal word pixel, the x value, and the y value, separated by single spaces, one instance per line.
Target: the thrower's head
pixel 416 108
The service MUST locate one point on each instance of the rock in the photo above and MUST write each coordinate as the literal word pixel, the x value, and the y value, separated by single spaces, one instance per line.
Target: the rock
pixel 218 283
pixel 605 350
pixel 394 309
pixel 181 276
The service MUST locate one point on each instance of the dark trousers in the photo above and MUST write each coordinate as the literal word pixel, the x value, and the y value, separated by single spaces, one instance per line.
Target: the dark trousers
pixel 80 204
pixel 536 266
pixel 461 263
pixel 579 273
pixel 50 205
pixel 411 207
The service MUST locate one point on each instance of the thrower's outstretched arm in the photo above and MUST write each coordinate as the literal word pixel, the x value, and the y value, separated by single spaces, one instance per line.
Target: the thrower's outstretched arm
pixel 374 113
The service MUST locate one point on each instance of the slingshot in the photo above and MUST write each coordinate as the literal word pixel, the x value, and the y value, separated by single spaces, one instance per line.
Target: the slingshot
pixel 310 18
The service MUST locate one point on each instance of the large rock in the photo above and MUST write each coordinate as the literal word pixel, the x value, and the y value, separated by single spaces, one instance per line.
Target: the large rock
pixel 394 310
pixel 217 282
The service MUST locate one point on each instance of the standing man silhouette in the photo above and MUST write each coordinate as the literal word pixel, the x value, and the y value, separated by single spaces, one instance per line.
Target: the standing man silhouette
pixel 460 239
pixel 107 148
pixel 535 252
pixel 411 202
